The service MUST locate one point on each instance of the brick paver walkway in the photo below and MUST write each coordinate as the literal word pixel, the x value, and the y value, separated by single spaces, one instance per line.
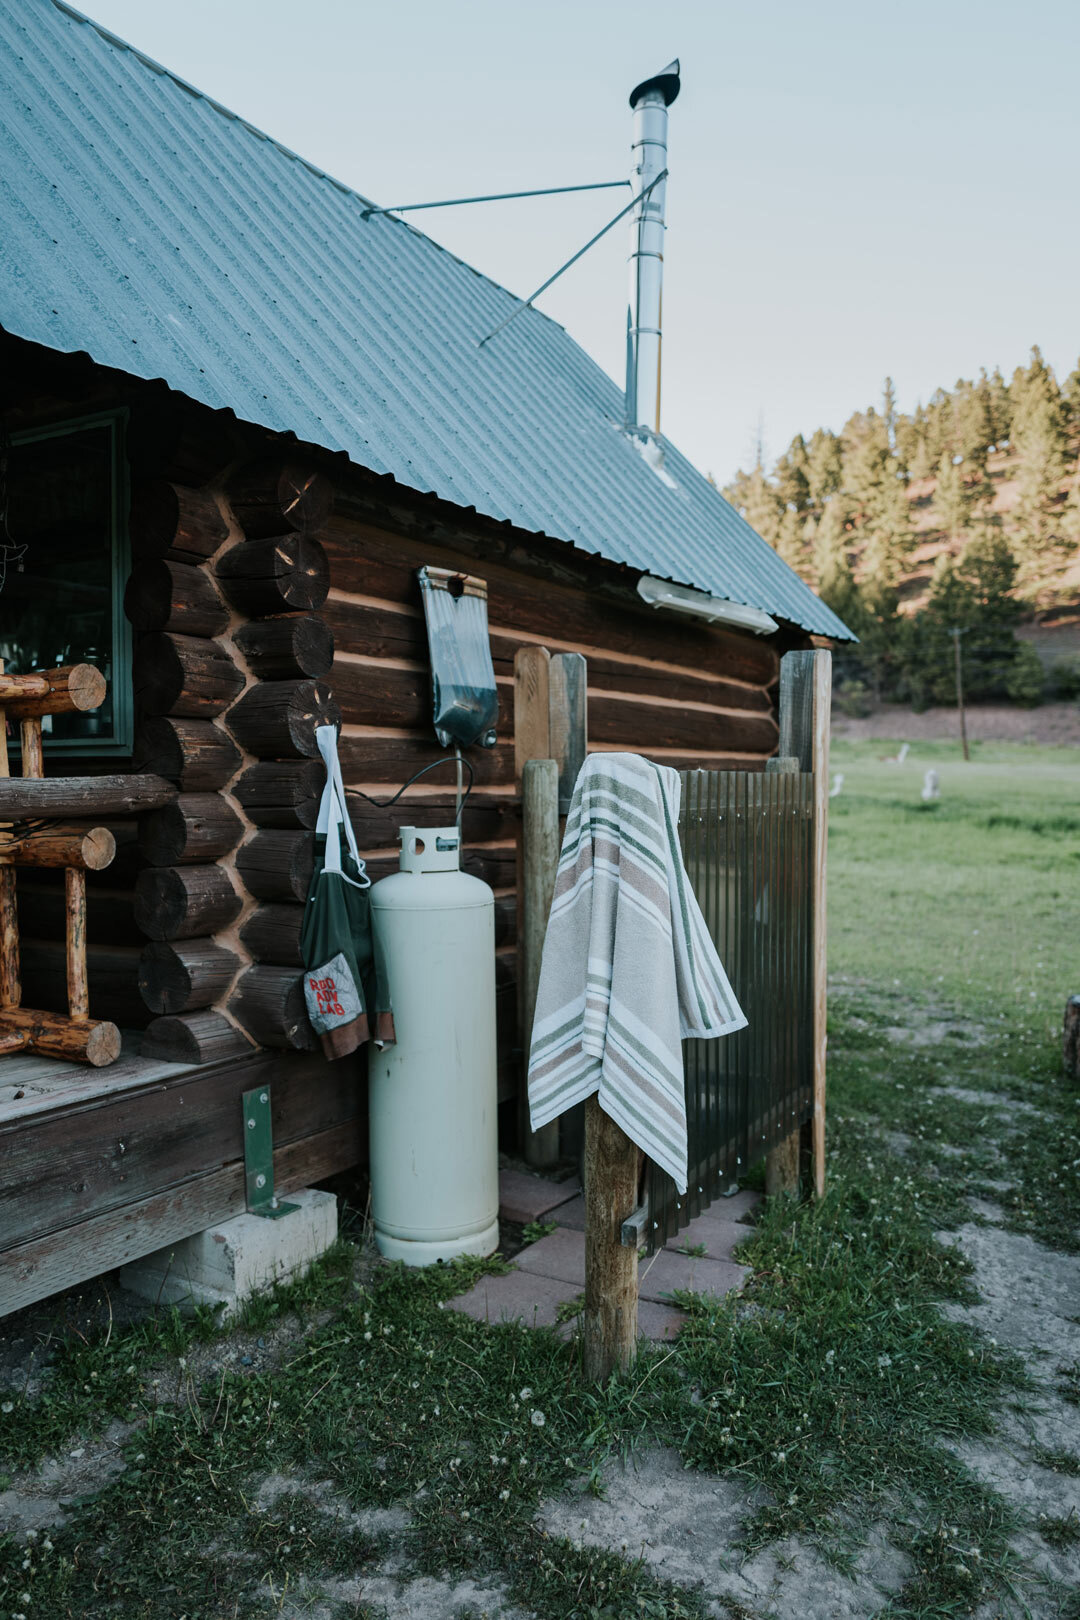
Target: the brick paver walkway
pixel 551 1273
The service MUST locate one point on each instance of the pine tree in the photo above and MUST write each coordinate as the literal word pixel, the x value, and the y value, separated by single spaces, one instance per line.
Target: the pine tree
pixel 791 541
pixel 889 413
pixel 951 500
pixel 998 406
pixel 972 437
pixel 1070 395
pixel 971 593
pixel 753 495
pixel 1039 436
pixel 911 446
pixel 790 475
pixel 939 430
pixel 824 466
pixel 873 480
pixel 832 558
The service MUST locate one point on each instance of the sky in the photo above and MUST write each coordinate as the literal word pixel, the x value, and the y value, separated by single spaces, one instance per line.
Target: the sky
pixel 857 189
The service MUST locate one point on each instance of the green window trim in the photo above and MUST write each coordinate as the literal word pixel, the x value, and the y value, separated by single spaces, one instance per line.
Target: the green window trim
pixel 120 740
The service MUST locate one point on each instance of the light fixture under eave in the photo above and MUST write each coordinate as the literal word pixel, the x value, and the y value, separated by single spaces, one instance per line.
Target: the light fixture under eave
pixel 661 593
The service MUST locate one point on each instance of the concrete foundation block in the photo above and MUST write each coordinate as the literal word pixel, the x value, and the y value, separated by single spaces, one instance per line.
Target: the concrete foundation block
pixel 226 1263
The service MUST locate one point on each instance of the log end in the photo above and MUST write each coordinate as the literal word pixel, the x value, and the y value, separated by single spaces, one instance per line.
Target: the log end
pixel 103 1045
pixel 86 687
pixel 98 849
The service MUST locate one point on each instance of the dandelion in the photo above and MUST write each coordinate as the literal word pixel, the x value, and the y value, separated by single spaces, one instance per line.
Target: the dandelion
pixel 141 1457
pixel 781 1456
pixel 830 1357
pixel 46 1545
pixel 131 1369
pixel 538 1420
pixel 367 1336
pixel 182 1361
pixel 8 1406
pixel 884 1361
pixel 465 1513
pixel 525 1394
pixel 504 1496
pixel 31 1535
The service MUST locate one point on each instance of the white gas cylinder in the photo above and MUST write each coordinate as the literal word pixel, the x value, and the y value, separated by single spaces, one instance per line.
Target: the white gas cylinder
pixel 433 1097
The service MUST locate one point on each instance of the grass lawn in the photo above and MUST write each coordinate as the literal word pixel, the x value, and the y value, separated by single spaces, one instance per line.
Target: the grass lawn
pixel 378 1431
pixel 970 898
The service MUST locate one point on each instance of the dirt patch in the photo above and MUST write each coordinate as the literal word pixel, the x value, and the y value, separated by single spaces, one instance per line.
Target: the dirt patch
pixel 38 1500
pixel 688 1525
pixel 1053 723
pixel 1030 1302
pixel 423 1598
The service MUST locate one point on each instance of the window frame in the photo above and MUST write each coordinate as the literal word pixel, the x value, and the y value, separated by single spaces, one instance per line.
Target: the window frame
pixel 121 685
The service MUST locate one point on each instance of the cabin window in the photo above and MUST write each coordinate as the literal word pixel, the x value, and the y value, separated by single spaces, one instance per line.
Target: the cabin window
pixel 61 601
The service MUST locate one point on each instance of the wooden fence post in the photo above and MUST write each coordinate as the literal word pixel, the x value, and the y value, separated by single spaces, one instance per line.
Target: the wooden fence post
pixel 540 860
pixel 568 720
pixel 805 702
pixel 782 1162
pixel 611 1280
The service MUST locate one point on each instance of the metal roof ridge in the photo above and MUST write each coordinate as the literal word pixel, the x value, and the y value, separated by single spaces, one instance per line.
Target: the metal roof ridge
pixel 261 134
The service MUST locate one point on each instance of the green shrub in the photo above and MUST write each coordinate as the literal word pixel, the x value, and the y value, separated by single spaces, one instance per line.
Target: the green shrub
pixel 1065 675
pixel 1026 681
pixel 852 698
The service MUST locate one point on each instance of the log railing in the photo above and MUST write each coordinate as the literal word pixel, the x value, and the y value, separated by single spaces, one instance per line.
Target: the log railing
pixel 35 832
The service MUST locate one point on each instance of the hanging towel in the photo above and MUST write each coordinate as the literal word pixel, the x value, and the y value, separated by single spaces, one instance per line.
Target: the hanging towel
pixel 628 967
pixel 345 979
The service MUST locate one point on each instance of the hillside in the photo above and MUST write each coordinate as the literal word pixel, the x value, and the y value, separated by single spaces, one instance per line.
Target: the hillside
pixel 964 514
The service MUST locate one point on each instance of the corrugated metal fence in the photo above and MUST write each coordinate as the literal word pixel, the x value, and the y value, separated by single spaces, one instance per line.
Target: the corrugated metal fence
pixel 747 842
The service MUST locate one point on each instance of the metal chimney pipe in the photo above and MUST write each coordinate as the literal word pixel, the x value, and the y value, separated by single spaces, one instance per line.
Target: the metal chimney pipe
pixel 650 101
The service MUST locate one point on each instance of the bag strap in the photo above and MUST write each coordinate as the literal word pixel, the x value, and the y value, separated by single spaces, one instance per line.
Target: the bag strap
pixel 334 812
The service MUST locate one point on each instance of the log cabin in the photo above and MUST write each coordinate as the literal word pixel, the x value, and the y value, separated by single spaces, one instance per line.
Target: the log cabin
pixel 238 411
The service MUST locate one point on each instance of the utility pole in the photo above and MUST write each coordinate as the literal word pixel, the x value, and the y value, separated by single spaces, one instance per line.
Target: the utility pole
pixel 956 634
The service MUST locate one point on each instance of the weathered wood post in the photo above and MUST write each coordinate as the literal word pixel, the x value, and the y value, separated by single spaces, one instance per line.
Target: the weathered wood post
pixel 10 989
pixel 805 700
pixel 611 1280
pixel 549 725
pixel 540 860
pixel 1070 1047
pixel 782 1161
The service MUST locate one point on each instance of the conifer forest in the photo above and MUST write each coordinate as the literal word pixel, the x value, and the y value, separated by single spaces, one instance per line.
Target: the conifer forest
pixel 962 516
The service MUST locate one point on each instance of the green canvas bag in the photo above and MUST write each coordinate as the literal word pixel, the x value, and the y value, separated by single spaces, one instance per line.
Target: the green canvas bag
pixel 345 982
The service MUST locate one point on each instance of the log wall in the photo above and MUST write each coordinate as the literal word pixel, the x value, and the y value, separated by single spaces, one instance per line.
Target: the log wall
pixel 266 598
pixel 683 693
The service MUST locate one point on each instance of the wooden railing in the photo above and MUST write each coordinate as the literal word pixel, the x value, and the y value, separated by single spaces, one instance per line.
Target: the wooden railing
pixel 35 832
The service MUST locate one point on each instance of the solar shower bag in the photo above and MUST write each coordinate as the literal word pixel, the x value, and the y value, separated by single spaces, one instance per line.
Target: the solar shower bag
pixel 462 674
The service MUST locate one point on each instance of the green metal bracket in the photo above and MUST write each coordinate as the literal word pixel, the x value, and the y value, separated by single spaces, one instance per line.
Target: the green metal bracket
pixel 259 1156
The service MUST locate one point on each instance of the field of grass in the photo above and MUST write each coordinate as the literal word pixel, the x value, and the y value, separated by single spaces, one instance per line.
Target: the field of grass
pixel 971 899
pixel 835 1390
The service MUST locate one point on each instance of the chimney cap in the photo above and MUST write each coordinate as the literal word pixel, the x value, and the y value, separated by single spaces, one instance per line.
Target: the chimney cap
pixel 666 81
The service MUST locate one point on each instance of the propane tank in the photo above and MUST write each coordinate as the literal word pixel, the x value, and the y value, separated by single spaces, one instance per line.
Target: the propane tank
pixel 433 1097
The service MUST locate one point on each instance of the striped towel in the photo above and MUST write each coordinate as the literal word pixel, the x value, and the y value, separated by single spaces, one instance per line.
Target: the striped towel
pixel 628 967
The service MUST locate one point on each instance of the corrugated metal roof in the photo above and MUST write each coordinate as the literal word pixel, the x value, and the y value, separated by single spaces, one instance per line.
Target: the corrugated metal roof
pixel 143 223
